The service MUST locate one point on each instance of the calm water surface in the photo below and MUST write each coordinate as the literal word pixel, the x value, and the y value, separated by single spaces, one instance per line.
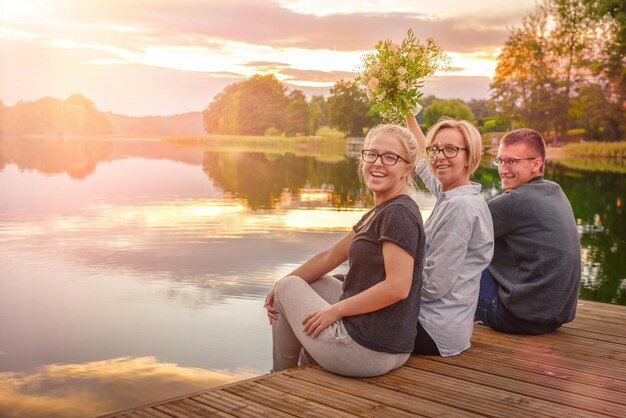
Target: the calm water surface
pixel 133 271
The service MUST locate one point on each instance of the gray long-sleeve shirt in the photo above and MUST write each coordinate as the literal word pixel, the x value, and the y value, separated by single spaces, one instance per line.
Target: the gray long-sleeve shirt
pixel 459 246
pixel 537 253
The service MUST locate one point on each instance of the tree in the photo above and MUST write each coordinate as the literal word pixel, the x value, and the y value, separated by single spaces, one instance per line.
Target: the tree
pixel 451 108
pixel 524 83
pixel 481 108
pixel 611 18
pixel 297 117
pixel 542 69
pixel 318 113
pixel 249 107
pixel 348 109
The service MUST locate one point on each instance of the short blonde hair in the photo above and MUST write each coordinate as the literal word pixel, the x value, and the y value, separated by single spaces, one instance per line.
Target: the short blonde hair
pixel 409 144
pixel 473 140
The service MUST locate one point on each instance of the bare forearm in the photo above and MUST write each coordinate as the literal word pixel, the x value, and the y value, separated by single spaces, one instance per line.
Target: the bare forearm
pixel 376 297
pixel 414 127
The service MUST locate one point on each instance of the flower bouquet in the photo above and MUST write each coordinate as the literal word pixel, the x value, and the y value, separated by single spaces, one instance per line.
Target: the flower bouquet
pixel 393 75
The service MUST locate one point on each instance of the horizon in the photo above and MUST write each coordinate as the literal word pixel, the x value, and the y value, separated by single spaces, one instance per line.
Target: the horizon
pixel 143 59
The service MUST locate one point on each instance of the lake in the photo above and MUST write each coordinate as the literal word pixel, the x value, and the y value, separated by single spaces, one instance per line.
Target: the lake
pixel 132 270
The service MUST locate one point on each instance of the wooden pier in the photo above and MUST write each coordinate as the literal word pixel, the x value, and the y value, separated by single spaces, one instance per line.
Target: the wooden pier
pixel 577 371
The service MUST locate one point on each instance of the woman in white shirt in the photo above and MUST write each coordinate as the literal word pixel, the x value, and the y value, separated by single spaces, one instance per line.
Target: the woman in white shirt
pixel 459 236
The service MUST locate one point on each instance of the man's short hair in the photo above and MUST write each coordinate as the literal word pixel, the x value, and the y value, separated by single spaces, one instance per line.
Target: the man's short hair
pixel 527 136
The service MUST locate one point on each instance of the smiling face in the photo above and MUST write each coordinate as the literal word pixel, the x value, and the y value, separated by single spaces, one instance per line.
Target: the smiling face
pixel 451 172
pixel 514 176
pixel 386 182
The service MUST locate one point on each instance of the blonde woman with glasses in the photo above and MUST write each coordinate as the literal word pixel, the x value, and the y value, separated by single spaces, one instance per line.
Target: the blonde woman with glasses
pixel 364 326
pixel 459 236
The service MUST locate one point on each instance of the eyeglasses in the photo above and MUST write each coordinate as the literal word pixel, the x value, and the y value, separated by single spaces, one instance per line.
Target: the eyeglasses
pixel 509 161
pixel 387 158
pixel 448 151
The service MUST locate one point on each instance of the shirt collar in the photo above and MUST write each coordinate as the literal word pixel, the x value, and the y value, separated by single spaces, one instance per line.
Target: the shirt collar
pixel 472 188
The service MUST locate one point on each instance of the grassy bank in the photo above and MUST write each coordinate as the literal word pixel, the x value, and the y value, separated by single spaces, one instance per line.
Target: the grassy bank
pixel 325 147
pixel 597 149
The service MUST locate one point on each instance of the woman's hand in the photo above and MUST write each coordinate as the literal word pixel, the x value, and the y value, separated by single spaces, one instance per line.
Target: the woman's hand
pixel 317 321
pixel 272 313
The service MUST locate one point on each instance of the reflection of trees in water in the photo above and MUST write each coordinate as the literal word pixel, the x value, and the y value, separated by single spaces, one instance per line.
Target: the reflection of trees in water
pixel 262 178
pixel 78 158
pixel 597 199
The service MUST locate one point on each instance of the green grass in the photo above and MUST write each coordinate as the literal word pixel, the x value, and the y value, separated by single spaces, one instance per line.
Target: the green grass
pixel 597 149
pixel 329 146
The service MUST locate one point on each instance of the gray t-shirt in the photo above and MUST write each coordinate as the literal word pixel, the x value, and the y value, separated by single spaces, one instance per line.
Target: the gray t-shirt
pixel 390 329
pixel 536 260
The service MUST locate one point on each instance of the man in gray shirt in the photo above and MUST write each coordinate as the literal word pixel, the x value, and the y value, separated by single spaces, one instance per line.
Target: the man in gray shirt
pixel 532 283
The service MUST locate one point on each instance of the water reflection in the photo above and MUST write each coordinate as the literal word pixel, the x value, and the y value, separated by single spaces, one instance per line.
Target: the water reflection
pixel 262 178
pixel 100 387
pixel 133 250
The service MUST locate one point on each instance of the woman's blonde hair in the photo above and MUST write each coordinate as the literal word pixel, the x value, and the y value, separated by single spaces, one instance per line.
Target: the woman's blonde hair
pixel 472 137
pixel 409 143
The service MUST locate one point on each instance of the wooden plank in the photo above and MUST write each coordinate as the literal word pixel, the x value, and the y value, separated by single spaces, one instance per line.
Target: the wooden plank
pixel 334 398
pixel 616 326
pixel 488 401
pixel 145 413
pixel 518 368
pixel 594 335
pixel 592 367
pixel 237 406
pixel 283 401
pixel 556 344
pixel 550 394
pixel 391 395
pixel 185 408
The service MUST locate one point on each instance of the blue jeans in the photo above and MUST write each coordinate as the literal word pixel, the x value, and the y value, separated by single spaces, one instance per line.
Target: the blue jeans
pixel 489 311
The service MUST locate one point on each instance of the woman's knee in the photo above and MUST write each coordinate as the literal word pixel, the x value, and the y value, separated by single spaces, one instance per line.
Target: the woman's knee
pixel 286 286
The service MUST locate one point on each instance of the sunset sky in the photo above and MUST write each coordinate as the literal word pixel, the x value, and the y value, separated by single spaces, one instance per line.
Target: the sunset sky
pixel 148 57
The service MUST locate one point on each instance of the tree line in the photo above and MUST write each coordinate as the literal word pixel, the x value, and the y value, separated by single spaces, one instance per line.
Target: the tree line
pixel 563 69
pixel 262 105
pixel 50 116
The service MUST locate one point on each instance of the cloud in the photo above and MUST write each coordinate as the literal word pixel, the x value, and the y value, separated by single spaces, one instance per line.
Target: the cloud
pixel 317 76
pixel 105 386
pixel 267 23
pixel 269 65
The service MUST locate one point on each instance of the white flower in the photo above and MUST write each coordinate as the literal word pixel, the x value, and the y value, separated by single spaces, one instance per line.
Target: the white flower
pixel 373 83
pixel 381 96
pixel 375 68
pixel 394 47
pixel 401 70
pixel 412 55
pixel 401 85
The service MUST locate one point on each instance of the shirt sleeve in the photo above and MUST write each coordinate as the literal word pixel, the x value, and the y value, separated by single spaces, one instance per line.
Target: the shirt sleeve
pixel 400 226
pixel 503 208
pixel 446 255
pixel 428 178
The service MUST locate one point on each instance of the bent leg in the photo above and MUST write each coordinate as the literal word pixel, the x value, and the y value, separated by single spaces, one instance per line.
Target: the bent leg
pixel 489 309
pixel 333 348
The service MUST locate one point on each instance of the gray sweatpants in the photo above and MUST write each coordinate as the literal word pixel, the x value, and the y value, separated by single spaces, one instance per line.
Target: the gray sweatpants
pixel 333 348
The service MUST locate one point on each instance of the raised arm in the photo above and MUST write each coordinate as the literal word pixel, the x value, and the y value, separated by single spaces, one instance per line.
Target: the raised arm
pixel 414 127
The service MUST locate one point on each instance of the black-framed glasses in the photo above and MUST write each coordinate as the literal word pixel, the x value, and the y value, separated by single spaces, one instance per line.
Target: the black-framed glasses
pixel 510 162
pixel 449 151
pixel 387 158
